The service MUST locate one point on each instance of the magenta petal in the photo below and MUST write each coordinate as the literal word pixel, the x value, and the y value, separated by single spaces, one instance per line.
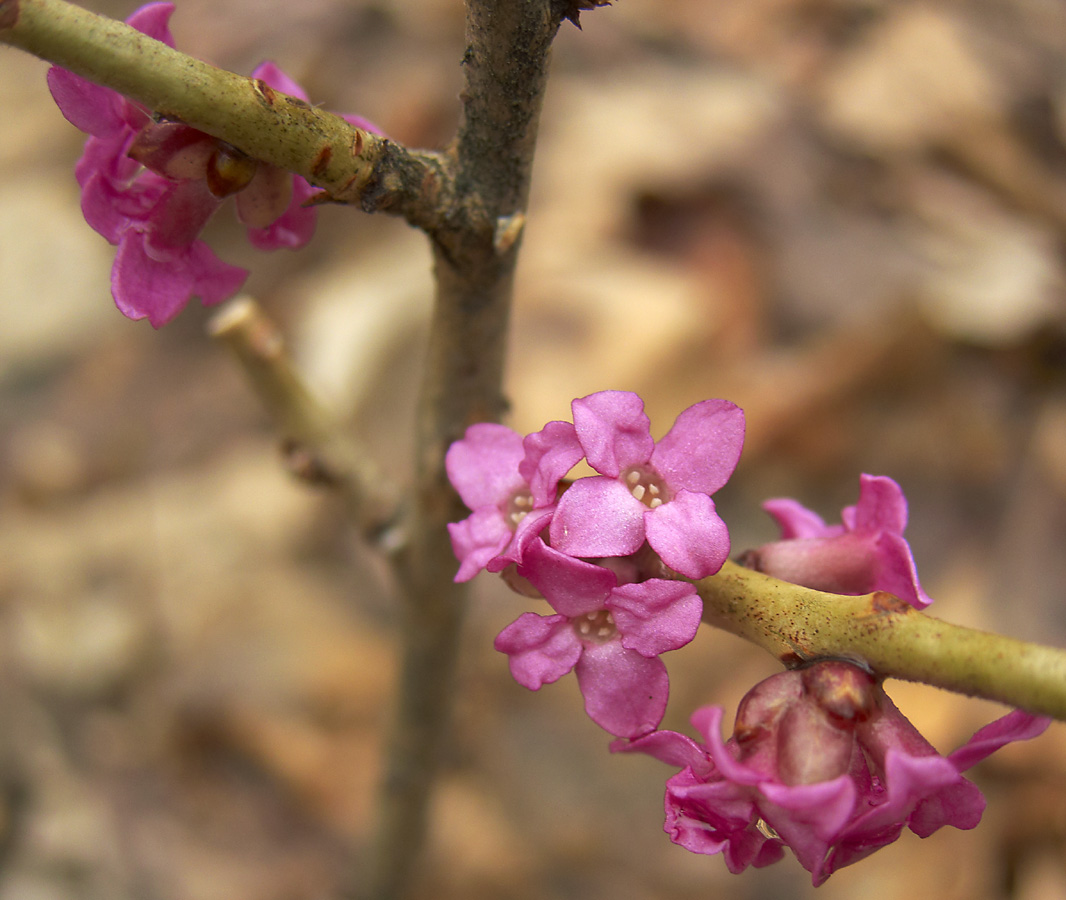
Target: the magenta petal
pixel 293 228
pixel 702 449
pixel 572 587
pixel 688 534
pixel 265 198
pixel 178 218
pixel 1014 726
pixel 213 279
pixel 809 817
pixel 717 817
pixel 881 506
pixel 153 19
pixel 549 454
pixel 483 466
pixel 542 649
pixel 625 693
pixel 272 74
pixel 655 616
pixel 596 517
pixel 87 106
pixel 613 430
pixel 796 521
pixel 670 747
pixel 477 539
pixel 947 797
pixel 897 572
pixel 959 804
pixel 102 208
pixel 144 287
pixel 526 535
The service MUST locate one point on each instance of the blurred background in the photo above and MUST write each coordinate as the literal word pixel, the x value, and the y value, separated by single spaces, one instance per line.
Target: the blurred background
pixel 848 216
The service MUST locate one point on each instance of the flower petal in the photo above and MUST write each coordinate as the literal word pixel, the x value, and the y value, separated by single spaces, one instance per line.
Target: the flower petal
pixel 1014 726
pixel 671 747
pixel 153 19
pixel 625 693
pixel 613 430
pixel 144 287
pixel 702 449
pixel 655 616
pixel 87 106
pixel 478 538
pixel 572 587
pixel 881 506
pixel 483 466
pixel 542 649
pixel 549 454
pixel 688 534
pixel 796 521
pixel 809 817
pixel 598 516
pixel 896 571
pixel 296 224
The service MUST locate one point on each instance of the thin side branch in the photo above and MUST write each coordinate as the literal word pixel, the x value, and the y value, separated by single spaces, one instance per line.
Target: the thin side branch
pixel 351 165
pixel 312 440
pixel 895 640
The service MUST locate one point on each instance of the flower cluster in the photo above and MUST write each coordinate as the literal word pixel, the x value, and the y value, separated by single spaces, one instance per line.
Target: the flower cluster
pixel 820 760
pixel 150 185
pixel 604 550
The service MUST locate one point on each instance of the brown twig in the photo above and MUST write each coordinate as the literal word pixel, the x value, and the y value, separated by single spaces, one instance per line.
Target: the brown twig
pixel 474 260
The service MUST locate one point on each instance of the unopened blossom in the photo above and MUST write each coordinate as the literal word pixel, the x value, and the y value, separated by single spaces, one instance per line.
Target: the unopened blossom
pixel 866 552
pixel 149 186
pixel 509 482
pixel 648 490
pixel 610 635
pixel 820 761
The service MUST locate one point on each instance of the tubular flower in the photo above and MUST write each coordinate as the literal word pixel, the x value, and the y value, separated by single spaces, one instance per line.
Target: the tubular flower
pixel 610 635
pixel 149 186
pixel 820 761
pixel 510 484
pixel 648 490
pixel 866 552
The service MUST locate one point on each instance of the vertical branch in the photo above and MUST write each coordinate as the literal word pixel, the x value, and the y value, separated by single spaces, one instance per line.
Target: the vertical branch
pixel 475 250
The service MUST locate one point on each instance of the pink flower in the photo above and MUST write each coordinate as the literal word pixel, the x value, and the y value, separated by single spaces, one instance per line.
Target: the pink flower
pixel 610 635
pixel 648 490
pixel 510 485
pixel 867 552
pixel 150 187
pixel 820 761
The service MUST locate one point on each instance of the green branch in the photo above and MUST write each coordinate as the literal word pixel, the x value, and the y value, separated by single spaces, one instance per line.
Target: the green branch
pixel 798 624
pixel 351 165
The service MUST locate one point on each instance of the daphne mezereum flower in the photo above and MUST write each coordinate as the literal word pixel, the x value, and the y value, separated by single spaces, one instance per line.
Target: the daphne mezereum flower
pixel 866 552
pixel 659 491
pixel 611 635
pixel 820 761
pixel 509 483
pixel 149 186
